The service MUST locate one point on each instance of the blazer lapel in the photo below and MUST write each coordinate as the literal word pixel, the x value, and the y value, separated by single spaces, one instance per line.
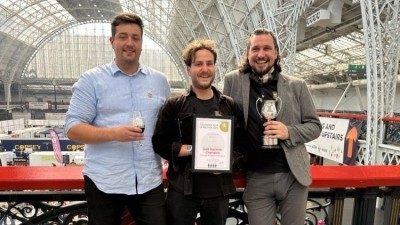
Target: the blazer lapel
pixel 282 85
pixel 245 95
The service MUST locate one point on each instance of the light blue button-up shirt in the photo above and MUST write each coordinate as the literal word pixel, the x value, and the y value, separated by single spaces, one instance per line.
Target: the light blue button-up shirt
pixel 105 97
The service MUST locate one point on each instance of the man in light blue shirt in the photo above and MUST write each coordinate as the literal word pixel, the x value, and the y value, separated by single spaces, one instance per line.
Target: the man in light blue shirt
pixel 121 168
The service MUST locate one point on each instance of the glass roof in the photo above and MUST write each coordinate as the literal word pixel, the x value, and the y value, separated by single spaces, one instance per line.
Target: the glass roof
pixel 333 56
pixel 28 22
pixel 171 24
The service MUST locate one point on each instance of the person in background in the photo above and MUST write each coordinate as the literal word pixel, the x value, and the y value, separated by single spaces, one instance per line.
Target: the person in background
pixel 120 166
pixel 190 193
pixel 278 177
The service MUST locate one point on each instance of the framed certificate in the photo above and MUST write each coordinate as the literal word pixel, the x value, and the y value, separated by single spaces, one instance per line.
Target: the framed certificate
pixel 212 143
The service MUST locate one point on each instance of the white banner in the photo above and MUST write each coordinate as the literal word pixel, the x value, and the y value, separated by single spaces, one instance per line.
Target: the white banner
pixel 55 116
pixel 331 142
pixel 38 105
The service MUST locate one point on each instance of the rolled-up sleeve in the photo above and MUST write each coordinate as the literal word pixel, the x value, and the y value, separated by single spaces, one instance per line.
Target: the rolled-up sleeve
pixel 82 106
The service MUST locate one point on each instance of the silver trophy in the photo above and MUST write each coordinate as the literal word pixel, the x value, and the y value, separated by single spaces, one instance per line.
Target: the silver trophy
pixel 268 112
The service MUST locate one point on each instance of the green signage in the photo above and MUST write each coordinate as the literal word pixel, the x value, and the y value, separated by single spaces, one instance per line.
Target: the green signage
pixel 357 67
pixel 357 71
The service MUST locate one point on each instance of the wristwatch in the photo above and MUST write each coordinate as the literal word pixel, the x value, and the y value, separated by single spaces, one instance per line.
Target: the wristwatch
pixel 189 149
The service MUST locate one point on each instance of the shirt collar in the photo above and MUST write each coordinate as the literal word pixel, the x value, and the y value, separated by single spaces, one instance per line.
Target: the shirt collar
pixel 115 69
pixel 190 92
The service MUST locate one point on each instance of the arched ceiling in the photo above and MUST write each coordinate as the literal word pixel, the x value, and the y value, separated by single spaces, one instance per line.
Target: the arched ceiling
pixel 322 52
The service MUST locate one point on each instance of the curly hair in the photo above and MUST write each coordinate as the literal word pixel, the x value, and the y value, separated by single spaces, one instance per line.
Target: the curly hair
pixel 244 66
pixel 126 18
pixel 189 52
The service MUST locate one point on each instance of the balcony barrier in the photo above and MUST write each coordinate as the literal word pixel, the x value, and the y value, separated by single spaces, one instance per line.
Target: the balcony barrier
pixel 36 195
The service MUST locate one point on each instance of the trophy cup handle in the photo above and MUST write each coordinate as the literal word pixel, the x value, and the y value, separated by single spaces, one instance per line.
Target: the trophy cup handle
pixel 279 103
pixel 258 111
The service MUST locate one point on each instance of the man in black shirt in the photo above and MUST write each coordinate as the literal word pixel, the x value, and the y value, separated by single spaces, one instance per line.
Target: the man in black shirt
pixel 190 193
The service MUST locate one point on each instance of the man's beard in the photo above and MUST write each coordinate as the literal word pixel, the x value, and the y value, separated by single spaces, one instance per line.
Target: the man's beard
pixel 261 73
pixel 203 86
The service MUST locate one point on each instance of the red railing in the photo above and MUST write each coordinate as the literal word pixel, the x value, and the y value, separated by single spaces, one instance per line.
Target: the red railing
pixel 343 115
pixel 18 182
pixel 70 177
pixel 360 116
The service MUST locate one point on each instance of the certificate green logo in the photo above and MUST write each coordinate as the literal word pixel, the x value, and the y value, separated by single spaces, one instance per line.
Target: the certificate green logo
pixel 224 126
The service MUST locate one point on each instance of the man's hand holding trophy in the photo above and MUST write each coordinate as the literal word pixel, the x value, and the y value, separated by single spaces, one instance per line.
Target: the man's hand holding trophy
pixel 269 112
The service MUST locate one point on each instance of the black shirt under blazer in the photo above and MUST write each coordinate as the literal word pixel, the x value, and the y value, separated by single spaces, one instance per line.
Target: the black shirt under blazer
pixel 297 113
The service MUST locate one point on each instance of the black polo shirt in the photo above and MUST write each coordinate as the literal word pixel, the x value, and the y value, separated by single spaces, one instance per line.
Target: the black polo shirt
pixel 262 160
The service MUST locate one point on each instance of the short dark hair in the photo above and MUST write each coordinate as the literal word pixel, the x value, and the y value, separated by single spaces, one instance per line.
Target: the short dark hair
pixel 124 18
pixel 196 45
pixel 244 66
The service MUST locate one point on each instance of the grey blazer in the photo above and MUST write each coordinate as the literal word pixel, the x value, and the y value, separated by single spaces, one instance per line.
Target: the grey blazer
pixel 297 113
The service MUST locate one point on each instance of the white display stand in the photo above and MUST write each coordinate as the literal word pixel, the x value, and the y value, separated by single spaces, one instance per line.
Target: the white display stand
pixel 48 159
pixel 6 156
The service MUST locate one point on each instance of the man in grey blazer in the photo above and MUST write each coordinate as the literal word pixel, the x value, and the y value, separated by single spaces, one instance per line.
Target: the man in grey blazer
pixel 278 175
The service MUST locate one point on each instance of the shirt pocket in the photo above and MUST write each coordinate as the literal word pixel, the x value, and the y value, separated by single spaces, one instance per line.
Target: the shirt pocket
pixel 185 127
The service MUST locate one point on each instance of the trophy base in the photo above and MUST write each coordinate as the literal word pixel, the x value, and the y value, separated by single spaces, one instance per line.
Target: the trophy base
pixel 269 143
pixel 270 147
